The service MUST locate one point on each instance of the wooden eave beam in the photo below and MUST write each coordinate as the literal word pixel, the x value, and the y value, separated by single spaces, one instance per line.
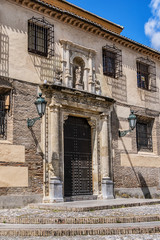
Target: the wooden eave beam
pixel 30 4
pixel 47 11
pixel 35 7
pixel 25 3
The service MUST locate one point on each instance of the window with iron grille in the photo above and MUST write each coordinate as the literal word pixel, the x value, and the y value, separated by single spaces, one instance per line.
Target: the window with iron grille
pixel 112 61
pixel 144 136
pixel 40 37
pixel 142 75
pixel 109 63
pixel 146 74
pixel 2 117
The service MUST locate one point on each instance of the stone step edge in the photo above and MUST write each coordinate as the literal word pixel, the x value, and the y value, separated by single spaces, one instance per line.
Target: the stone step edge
pixel 79 220
pixel 75 232
pixel 87 209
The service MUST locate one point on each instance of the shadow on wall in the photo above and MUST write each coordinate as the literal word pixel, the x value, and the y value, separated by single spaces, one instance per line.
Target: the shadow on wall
pixel 144 187
pixel 4 53
pixel 47 68
pixel 139 178
pixel 39 149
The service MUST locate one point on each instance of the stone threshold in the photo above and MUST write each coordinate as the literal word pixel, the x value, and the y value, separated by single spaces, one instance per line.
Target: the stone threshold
pixel 92 205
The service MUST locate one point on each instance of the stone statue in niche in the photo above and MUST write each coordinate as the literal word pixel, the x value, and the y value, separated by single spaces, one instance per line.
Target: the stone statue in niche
pixel 58 77
pixel 78 73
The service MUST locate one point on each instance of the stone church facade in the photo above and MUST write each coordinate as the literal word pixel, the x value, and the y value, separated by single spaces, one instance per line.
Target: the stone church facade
pixel 91 77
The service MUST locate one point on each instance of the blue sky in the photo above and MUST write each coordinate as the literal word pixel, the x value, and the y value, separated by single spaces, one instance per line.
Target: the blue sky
pixel 140 18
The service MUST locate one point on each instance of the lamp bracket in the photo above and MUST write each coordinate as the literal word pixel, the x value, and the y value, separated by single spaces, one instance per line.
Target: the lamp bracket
pixel 123 133
pixel 31 122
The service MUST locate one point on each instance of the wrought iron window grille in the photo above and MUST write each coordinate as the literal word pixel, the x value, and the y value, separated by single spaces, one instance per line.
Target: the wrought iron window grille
pixel 3 120
pixel 144 136
pixel 146 74
pixel 112 61
pixel 40 37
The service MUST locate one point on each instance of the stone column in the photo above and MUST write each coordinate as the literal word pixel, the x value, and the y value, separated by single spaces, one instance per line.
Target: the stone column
pixel 91 81
pixel 67 74
pixel 85 79
pixel 55 184
pixel 107 184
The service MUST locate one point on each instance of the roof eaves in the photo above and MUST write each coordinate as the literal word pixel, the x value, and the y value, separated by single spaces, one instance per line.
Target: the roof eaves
pixel 70 13
pixel 97 25
pixel 106 20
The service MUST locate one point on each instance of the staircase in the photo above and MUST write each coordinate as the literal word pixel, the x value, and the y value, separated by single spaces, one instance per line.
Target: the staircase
pixel 136 216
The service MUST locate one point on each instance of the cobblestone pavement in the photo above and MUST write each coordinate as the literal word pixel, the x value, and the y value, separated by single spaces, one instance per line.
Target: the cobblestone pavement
pixel 122 212
pixel 122 237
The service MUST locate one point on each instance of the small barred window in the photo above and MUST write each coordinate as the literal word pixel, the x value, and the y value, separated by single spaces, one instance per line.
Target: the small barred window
pixel 146 74
pixel 40 37
pixel 112 61
pixel 2 117
pixel 144 136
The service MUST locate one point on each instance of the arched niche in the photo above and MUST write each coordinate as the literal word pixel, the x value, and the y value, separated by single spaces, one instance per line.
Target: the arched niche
pixel 78 73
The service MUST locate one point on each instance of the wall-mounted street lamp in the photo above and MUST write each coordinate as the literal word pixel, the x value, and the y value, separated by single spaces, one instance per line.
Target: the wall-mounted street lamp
pixel 41 107
pixel 132 123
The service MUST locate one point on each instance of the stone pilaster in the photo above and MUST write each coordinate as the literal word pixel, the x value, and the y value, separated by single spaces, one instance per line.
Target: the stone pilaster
pixel 91 80
pixel 107 184
pixel 67 74
pixel 93 124
pixel 55 184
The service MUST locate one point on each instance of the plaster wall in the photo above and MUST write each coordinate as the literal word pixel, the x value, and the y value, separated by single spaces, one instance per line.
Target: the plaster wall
pixel 12 153
pixel 13 176
pixel 140 160
pixel 31 68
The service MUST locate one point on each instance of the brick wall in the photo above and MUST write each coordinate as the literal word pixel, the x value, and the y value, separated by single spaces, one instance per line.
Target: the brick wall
pixel 24 95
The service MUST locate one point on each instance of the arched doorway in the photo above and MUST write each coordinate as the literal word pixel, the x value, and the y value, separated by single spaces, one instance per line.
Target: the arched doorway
pixel 77 157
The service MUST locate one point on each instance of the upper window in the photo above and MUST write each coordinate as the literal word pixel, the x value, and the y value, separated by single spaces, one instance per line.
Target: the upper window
pixel 144 136
pixel 112 61
pixel 40 37
pixel 146 74
pixel 142 75
pixel 109 63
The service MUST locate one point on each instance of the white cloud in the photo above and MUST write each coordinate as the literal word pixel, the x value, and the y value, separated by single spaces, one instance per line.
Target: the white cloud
pixel 155 40
pixel 152 27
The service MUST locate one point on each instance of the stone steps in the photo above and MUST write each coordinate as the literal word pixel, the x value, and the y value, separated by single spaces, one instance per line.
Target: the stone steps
pixel 79 220
pixel 36 222
pixel 78 229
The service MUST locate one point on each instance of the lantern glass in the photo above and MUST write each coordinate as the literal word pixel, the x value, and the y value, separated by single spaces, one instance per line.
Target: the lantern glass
pixel 132 120
pixel 41 105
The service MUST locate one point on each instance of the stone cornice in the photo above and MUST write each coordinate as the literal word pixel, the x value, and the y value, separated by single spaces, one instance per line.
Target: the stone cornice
pixel 69 43
pixel 49 88
pixel 86 25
